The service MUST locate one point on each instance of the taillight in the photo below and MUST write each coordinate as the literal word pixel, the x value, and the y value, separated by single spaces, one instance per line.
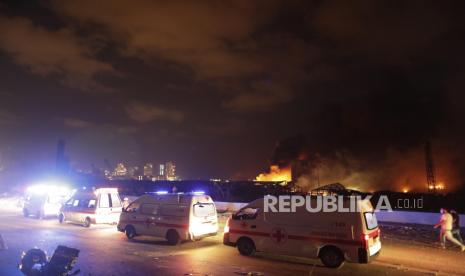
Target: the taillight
pixel 226 226
pixel 365 239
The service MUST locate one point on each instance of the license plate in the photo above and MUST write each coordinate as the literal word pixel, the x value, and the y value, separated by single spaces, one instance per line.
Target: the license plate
pixel 375 248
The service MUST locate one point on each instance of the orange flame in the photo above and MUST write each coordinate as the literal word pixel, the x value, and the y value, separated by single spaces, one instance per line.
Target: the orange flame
pixel 276 174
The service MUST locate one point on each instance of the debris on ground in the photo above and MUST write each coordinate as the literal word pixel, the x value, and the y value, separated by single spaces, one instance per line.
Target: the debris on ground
pixel 34 262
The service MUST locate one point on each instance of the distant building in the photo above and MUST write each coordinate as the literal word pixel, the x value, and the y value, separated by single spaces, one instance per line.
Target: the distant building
pixel 120 170
pixel 134 172
pixel 148 171
pixel 167 171
pixel 170 171
pixel 161 172
pixel 107 174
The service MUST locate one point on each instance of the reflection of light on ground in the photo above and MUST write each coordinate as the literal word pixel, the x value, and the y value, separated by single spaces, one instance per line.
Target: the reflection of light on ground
pixel 105 230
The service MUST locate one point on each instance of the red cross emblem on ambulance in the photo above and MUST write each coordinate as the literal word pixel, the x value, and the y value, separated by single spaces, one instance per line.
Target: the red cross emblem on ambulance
pixel 279 235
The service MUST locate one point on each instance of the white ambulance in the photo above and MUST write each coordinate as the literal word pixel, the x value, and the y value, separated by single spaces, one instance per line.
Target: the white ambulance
pixel 101 206
pixel 43 201
pixel 333 237
pixel 176 217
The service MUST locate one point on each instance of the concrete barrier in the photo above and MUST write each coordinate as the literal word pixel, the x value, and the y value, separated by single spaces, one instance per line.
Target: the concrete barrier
pixel 382 216
pixel 413 217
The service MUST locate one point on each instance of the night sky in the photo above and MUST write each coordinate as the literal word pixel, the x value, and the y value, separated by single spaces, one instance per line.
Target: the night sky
pixel 214 85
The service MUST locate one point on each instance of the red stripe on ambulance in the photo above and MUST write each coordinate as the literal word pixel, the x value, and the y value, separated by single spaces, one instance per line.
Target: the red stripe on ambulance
pixel 301 238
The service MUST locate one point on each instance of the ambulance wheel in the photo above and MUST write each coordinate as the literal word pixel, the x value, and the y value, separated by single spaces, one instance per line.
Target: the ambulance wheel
pixel 332 257
pixel 245 246
pixel 86 223
pixel 38 215
pixel 173 237
pixel 61 218
pixel 130 232
pixel 25 213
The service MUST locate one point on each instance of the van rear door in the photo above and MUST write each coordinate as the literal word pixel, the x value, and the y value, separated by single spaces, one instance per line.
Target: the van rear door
pixel 104 208
pixel 204 220
pixel 371 236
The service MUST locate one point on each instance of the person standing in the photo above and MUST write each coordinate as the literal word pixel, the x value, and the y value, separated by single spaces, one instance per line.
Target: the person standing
pixel 445 223
pixel 456 226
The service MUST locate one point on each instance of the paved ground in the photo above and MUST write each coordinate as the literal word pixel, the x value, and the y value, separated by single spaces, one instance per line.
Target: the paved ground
pixel 104 251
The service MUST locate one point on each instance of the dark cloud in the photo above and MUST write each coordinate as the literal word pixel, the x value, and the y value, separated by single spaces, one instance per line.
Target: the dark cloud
pixel 146 113
pixel 76 123
pixel 8 118
pixel 219 42
pixel 53 53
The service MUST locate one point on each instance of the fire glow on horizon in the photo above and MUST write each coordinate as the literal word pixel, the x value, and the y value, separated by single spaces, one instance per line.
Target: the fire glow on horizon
pixel 276 174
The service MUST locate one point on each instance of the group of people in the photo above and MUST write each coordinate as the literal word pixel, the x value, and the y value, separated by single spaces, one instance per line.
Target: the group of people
pixel 450 228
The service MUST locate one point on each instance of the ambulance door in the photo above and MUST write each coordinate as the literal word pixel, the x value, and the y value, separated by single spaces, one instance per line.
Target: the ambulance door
pixel 72 214
pixel 116 208
pixel 149 213
pixel 68 209
pixel 250 224
pixel 133 216
pixel 280 235
pixel 104 208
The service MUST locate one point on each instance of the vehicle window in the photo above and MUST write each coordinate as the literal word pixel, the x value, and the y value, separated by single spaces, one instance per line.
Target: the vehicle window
pixel 76 202
pixel 204 209
pixel 115 201
pixel 70 202
pixel 149 209
pixel 246 213
pixel 91 203
pixel 133 207
pixel 174 210
pixel 371 221
pixel 104 201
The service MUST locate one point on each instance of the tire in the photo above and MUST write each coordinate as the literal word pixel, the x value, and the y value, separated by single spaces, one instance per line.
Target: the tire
pixel 130 232
pixel 87 223
pixel 61 218
pixel 38 215
pixel 25 213
pixel 173 237
pixel 332 257
pixel 245 246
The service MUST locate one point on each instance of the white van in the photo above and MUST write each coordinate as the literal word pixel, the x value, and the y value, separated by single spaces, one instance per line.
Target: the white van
pixel 44 200
pixel 333 237
pixel 102 206
pixel 42 205
pixel 176 217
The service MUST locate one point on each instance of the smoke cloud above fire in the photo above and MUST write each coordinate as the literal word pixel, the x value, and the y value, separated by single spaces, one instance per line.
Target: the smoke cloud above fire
pixel 396 170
